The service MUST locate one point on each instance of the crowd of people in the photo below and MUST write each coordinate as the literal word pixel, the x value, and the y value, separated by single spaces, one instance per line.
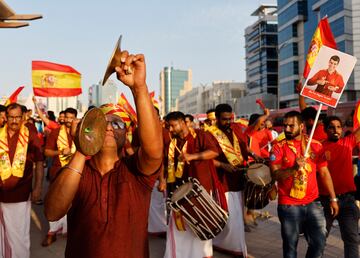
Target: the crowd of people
pixel 108 203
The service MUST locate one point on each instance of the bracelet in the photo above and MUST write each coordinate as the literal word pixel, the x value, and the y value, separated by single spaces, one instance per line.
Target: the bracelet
pixel 74 169
pixel 334 199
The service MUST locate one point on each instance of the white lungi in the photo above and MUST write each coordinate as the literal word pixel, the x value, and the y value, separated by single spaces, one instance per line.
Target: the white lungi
pixel 15 229
pixel 59 226
pixel 157 212
pixel 232 238
pixel 185 244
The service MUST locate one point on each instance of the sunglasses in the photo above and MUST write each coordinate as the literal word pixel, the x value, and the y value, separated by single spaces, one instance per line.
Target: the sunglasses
pixel 117 124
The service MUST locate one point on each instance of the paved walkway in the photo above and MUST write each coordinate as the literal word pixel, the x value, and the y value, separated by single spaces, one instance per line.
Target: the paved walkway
pixel 264 241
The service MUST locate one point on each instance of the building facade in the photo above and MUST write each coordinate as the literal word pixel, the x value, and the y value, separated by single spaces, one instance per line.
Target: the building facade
pixel 297 21
pixel 172 83
pixel 261 52
pixel 99 94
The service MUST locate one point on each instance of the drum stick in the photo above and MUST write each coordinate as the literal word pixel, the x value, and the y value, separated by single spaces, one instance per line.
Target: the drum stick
pixel 262 181
pixel 177 148
pixel 36 219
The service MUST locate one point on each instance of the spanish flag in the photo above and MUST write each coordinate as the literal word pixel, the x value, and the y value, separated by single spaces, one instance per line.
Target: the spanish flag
pixel 322 36
pixel 356 118
pixel 55 80
pixel 125 104
pixel 13 97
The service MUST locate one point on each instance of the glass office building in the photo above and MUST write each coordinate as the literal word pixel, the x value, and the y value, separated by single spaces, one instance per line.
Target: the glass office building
pixel 261 52
pixel 172 82
pixel 297 21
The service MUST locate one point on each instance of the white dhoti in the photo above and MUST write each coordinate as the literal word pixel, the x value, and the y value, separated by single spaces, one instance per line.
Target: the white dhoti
pixel 185 244
pixel 15 229
pixel 157 212
pixel 59 226
pixel 232 238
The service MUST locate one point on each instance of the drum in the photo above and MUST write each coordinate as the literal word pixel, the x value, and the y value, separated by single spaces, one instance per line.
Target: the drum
pixel 258 186
pixel 201 213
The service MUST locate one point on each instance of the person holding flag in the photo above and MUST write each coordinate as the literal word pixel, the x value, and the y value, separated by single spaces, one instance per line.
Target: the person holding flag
pixel 296 173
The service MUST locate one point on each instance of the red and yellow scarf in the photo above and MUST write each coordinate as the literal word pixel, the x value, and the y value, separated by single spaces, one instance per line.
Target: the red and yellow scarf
pixel 18 166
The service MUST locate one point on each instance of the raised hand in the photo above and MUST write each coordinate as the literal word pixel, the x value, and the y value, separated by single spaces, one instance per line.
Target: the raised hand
pixel 132 71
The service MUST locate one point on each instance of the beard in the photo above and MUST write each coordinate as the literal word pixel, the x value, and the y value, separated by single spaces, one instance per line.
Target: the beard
pixel 291 136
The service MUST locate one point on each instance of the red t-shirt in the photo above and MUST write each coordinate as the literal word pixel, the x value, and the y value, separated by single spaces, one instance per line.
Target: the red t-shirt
pixel 319 133
pixel 231 182
pixel 335 79
pixel 109 214
pixel 259 141
pixel 51 144
pixel 21 191
pixel 282 155
pixel 339 158
pixel 53 125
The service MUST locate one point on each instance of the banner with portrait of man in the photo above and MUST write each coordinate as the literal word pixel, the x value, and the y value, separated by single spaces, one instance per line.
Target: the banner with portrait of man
pixel 328 76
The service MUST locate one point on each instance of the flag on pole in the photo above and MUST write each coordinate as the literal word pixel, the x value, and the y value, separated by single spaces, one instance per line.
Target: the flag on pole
pixel 356 118
pixel 322 36
pixel 13 97
pixel 128 108
pixel 55 80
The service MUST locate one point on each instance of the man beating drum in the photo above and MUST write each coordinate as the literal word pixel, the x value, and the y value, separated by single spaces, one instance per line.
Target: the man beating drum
pixel 189 153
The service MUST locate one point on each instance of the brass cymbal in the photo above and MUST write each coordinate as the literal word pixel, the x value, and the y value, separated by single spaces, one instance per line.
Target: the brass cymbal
pixel 114 61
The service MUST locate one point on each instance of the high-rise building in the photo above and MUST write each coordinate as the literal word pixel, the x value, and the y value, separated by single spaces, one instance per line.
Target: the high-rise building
pixel 297 21
pixel 172 82
pixel 58 104
pixel 99 94
pixel 261 52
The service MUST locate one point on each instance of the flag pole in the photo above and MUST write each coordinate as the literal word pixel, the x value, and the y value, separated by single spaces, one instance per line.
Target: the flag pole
pixel 313 130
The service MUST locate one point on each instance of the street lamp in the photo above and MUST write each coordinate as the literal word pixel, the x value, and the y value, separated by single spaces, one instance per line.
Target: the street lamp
pixel 278 56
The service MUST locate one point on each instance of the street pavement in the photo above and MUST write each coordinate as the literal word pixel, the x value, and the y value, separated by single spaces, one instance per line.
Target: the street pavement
pixel 264 240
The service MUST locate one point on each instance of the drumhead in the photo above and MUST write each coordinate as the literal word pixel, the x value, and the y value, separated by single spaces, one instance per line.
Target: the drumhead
pixel 259 174
pixel 181 191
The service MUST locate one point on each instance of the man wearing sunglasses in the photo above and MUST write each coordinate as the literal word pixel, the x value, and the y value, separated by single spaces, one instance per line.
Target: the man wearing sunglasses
pixel 107 198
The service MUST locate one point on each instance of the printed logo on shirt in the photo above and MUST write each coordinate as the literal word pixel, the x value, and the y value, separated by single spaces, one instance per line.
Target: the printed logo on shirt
pixel 272 157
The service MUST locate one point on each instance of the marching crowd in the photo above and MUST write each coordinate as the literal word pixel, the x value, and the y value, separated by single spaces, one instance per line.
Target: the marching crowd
pixel 170 175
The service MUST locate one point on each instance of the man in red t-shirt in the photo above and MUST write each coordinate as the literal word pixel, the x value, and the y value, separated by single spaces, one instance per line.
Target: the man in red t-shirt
pixel 107 198
pixel 338 151
pixel 329 80
pixel 298 188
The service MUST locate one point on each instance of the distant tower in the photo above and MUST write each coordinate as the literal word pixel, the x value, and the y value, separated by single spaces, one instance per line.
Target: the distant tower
pixel 172 82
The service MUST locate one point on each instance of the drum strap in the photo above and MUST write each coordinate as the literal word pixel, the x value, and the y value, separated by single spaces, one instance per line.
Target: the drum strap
pixel 63 143
pixel 179 221
pixel 18 166
pixel 232 152
pixel 298 190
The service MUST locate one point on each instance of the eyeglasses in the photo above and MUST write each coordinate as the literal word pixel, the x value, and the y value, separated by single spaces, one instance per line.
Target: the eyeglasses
pixel 117 124
pixel 17 118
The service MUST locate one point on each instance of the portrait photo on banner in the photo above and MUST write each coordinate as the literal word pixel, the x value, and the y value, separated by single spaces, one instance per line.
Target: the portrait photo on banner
pixel 328 76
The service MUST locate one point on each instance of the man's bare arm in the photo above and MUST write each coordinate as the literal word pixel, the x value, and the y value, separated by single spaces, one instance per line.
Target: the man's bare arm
pixel 132 72
pixel 62 191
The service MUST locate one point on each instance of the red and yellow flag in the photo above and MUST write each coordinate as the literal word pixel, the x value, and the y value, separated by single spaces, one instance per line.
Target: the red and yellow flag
pixel 356 118
pixel 13 97
pixel 322 36
pixel 55 80
pixel 154 101
pixel 125 104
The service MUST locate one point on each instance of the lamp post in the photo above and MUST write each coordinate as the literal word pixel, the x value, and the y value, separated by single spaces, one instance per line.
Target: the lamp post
pixel 278 56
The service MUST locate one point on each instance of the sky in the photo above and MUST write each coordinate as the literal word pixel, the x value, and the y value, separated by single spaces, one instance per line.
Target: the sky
pixel 206 36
